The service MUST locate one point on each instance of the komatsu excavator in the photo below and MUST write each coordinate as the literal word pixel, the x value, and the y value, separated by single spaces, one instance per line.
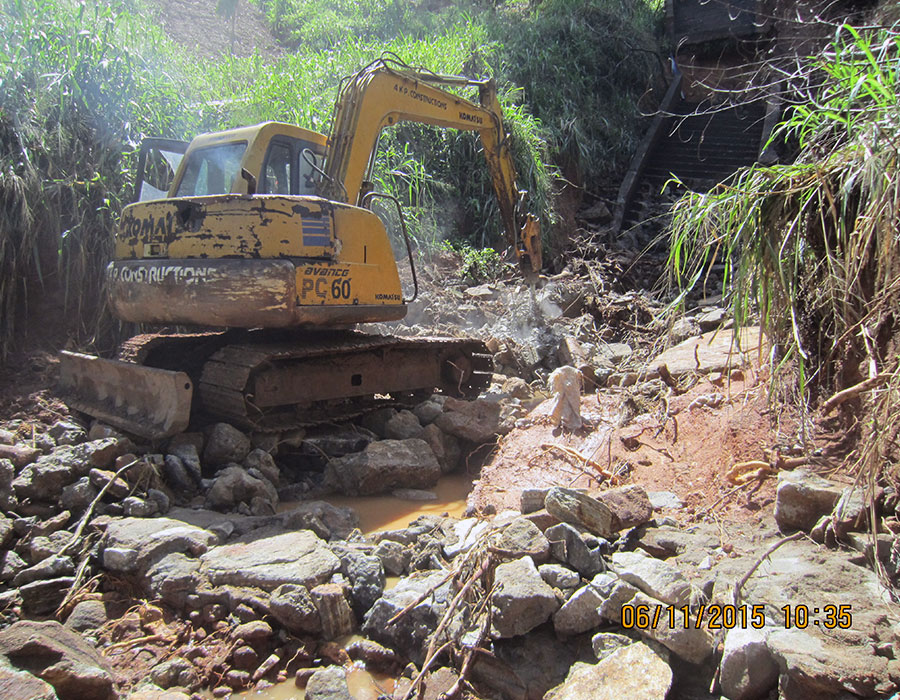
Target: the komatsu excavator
pixel 267 234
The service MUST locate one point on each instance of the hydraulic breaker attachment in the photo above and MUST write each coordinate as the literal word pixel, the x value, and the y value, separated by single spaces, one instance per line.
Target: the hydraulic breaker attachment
pixel 149 402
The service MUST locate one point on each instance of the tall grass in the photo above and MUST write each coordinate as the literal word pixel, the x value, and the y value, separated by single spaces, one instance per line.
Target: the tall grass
pixel 812 247
pixel 75 96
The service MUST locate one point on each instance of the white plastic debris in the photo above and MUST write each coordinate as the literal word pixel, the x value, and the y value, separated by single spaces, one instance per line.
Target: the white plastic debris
pixel 566 384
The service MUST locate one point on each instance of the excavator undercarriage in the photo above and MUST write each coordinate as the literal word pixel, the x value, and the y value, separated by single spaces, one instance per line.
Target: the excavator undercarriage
pixel 268 381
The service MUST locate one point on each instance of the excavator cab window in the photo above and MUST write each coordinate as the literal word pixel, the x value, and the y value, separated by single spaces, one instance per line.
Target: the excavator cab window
pixel 277 169
pixel 211 170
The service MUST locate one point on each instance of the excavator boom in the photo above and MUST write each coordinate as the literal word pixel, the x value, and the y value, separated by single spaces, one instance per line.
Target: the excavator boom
pixel 387 93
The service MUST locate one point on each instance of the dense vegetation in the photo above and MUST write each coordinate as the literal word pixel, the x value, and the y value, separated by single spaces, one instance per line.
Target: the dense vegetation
pixel 812 247
pixel 81 83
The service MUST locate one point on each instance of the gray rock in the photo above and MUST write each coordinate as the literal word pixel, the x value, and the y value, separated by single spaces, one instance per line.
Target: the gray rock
pixel 326 520
pixel 851 513
pixel 132 545
pixel 558 576
pixel 21 685
pixel 225 445
pixel 87 615
pixel 139 507
pixel 403 425
pixel 19 455
pixel 532 499
pixel 334 610
pixel 118 488
pixel 813 666
pixel 365 573
pixel 664 499
pixel 523 538
pixel 179 477
pixel 522 600
pixel 264 462
pixel 160 499
pixel 266 561
pixel 234 485
pixel 375 422
pixel 606 643
pixel 747 670
pixel 479 421
pixel 393 555
pixel 44 479
pixel 654 577
pixel 51 567
pixel 329 683
pixel 576 508
pixel 428 411
pixel 61 657
pixel 802 498
pixel 189 454
pixel 67 433
pixel 173 673
pixel 254 633
pixel 8 499
pixel 293 607
pixel 446 448
pixel 630 506
pixel 10 564
pixel 374 655
pixel 409 634
pixel 7 531
pixel 44 596
pixel 690 643
pixel 635 672
pixel 383 466
pixel 173 578
pixel 568 546
pixel 77 496
pixel 579 613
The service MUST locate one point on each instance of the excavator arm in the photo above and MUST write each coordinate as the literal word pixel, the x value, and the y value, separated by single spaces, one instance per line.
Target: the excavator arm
pixel 386 93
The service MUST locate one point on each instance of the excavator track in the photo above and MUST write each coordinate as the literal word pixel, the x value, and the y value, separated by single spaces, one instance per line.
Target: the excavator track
pixel 270 380
pixel 278 386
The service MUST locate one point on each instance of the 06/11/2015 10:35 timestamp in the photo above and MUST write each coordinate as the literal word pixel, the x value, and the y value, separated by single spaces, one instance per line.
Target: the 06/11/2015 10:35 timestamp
pixel 715 616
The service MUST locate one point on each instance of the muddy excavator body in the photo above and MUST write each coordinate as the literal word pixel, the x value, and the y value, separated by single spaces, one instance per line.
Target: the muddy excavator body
pixel 266 235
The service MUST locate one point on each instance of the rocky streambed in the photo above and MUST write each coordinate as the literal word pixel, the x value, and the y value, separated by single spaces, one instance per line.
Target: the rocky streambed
pixel 211 564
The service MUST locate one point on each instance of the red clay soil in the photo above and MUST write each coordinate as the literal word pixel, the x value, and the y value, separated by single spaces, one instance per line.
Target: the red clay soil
pixel 689 454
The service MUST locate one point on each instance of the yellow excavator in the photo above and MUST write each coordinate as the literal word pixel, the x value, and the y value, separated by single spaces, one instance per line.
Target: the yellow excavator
pixel 267 233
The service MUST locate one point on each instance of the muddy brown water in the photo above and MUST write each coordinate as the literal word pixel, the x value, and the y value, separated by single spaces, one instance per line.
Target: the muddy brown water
pixel 377 513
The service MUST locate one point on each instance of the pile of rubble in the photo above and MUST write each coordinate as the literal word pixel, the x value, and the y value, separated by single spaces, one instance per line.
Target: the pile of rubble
pixel 576 594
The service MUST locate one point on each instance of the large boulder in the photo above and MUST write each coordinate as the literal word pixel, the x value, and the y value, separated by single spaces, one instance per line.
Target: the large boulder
pixel 522 600
pixel 326 520
pixel 409 634
pixel 266 561
pixel 802 497
pixel 384 466
pixel 747 670
pixel 132 545
pixel 635 672
pixel 226 444
pixel 479 421
pixel 294 608
pixel 654 577
pixel 21 685
pixel 61 657
pixel 577 508
pixel 234 485
pixel 173 578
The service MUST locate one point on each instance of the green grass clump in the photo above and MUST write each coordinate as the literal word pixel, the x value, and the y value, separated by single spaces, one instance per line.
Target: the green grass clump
pixel 812 247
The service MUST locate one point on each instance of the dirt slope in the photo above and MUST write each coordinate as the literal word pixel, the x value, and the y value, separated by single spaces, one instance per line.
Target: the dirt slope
pixel 195 25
